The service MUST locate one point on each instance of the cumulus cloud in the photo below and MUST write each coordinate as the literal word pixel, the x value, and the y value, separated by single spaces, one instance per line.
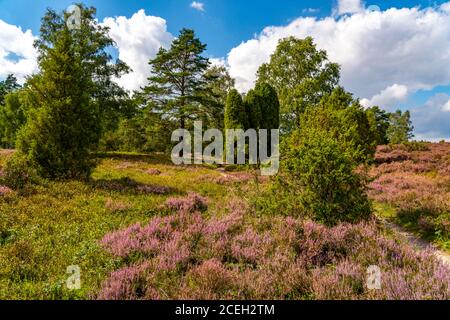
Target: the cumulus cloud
pixel 387 97
pixel 219 62
pixel 386 56
pixel 198 6
pixel 409 47
pixel 17 54
pixel 349 6
pixel 446 106
pixel 431 121
pixel 138 40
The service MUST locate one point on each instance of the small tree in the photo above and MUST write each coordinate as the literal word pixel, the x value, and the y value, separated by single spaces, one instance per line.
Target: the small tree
pixel 253 109
pixel 270 106
pixel 301 75
pixel 379 123
pixel 346 121
pixel 12 118
pixel 322 173
pixel 262 107
pixel 400 127
pixel 69 96
pixel 7 86
pixel 235 116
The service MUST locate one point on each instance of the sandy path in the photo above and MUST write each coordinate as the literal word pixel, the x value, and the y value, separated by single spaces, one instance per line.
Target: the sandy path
pixel 417 242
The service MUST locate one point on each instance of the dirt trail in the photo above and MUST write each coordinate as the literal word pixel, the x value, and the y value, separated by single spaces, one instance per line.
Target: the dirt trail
pixel 417 242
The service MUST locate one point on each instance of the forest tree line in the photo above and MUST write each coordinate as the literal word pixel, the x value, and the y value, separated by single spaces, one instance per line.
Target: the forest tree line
pixel 72 106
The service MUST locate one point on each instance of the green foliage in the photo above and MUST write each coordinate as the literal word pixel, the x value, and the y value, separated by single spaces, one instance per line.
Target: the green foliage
pixel 379 123
pixel 69 96
pixel 177 78
pixel 18 172
pixel 12 118
pixel 253 105
pixel 7 86
pixel 213 96
pixel 235 116
pixel 416 146
pixel 301 75
pixel 147 131
pixel 400 128
pixel 262 107
pixel 346 121
pixel 318 175
pixel 321 173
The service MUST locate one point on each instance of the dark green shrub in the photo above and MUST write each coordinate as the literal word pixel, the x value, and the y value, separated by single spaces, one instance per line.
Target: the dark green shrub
pixel 324 178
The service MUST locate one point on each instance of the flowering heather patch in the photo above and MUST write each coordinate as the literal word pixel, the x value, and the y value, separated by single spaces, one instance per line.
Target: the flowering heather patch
pixel 186 256
pixel 152 172
pixel 404 166
pixel 4 191
pixel 116 206
pixel 192 202
pixel 418 188
pixel 231 178
pixel 125 165
pixel 387 155
pixel 127 184
pixel 153 189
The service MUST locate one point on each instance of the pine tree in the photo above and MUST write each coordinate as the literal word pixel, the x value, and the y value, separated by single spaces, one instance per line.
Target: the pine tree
pixel 176 80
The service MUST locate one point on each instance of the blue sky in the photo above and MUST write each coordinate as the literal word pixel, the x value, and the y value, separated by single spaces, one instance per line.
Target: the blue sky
pixel 397 59
pixel 223 25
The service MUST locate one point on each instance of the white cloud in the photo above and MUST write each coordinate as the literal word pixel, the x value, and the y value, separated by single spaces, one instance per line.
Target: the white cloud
pixel 376 50
pixel 138 40
pixel 446 106
pixel 349 6
pixel 198 6
pixel 219 62
pixel 388 97
pixel 311 10
pixel 17 54
pixel 429 120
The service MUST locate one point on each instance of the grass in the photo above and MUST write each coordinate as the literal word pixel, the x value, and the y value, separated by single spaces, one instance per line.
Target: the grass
pixel 54 225
pixel 59 224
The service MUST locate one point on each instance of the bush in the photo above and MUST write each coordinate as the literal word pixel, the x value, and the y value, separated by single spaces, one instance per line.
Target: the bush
pixel 323 175
pixel 18 172
pixel 416 146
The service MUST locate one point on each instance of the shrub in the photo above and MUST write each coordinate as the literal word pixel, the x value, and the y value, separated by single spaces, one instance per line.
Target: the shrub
pixel 323 174
pixel 18 172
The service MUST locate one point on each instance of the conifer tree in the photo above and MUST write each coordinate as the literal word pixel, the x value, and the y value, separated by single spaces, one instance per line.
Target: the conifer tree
pixel 176 80
pixel 69 95
pixel 235 115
